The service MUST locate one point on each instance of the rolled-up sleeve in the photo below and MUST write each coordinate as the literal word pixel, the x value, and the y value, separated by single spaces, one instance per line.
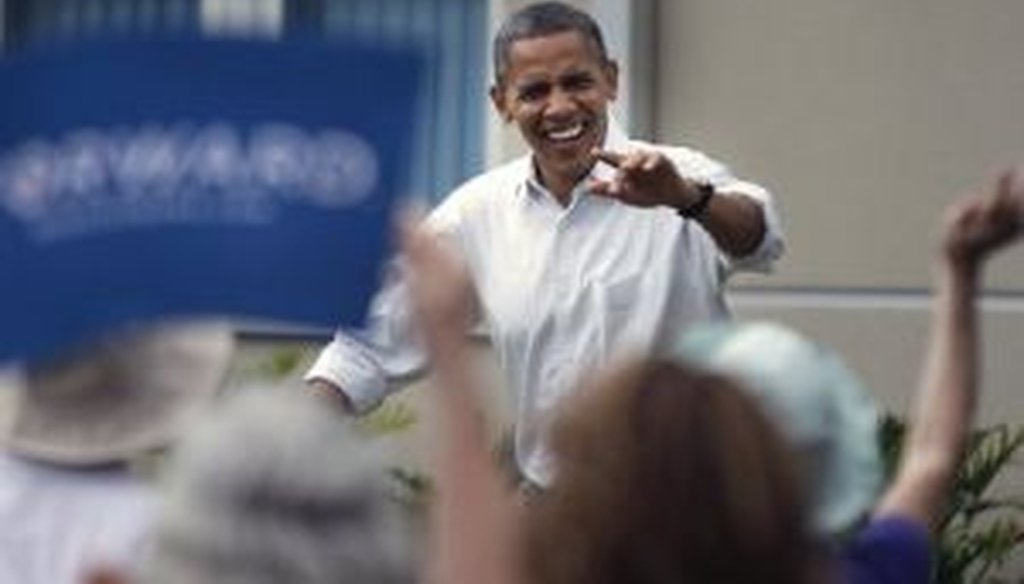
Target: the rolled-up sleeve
pixel 351 367
pixel 773 242
pixel 371 363
pixel 697 165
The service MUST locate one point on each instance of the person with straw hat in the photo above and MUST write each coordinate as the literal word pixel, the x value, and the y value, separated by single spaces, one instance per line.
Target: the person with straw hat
pixel 70 428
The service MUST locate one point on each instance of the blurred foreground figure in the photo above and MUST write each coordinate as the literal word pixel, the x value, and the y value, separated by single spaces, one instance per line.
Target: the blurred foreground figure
pixel 69 503
pixel 275 488
pixel 666 473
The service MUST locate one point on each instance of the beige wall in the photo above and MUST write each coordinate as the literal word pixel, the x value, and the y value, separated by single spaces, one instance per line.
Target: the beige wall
pixel 865 118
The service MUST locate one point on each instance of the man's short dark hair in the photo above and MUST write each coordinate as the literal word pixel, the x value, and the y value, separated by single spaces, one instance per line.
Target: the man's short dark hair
pixel 543 19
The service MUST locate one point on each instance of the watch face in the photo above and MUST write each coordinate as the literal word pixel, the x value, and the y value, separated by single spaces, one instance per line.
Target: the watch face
pixel 707 190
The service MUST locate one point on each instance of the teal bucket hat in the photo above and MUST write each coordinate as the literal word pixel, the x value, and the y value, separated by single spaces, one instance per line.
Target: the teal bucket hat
pixel 817 401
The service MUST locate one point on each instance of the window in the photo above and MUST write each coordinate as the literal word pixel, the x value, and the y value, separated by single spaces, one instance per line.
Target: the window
pixel 28 22
pixel 453 34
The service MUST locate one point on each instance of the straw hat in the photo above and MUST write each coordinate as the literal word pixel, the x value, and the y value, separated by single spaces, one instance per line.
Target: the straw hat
pixel 119 397
pixel 820 405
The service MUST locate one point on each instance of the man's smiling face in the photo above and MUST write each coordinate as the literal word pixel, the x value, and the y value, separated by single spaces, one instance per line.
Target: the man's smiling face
pixel 557 89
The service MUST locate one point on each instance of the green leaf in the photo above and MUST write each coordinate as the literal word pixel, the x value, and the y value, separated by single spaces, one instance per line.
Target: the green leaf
pixel 978 532
pixel 390 417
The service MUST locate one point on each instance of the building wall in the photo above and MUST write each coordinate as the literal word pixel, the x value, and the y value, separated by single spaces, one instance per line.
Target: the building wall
pixel 865 118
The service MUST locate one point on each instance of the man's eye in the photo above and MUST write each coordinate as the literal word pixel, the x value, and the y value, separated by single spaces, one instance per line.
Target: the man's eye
pixel 533 92
pixel 578 82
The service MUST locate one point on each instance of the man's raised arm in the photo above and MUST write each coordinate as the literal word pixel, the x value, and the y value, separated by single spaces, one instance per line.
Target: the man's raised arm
pixel 739 216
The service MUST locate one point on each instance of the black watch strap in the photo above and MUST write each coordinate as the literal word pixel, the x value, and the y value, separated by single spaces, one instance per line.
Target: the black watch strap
pixel 698 207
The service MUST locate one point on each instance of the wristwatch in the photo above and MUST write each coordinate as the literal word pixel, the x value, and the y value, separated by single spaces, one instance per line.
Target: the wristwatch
pixel 698 207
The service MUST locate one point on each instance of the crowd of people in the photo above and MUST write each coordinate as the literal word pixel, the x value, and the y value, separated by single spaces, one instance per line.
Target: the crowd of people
pixel 656 440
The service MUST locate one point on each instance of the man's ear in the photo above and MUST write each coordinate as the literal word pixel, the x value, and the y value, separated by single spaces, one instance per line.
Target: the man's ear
pixel 611 72
pixel 497 93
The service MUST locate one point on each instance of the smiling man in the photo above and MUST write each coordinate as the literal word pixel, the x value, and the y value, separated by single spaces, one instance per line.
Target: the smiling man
pixel 592 247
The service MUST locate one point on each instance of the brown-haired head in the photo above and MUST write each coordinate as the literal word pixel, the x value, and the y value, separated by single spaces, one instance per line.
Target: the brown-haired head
pixel 668 474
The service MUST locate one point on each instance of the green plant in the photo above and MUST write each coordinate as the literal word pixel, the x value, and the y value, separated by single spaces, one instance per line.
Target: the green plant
pixel 390 417
pixel 411 486
pixel 979 531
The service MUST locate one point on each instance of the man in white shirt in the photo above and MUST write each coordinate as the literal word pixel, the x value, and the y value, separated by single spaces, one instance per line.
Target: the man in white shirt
pixel 592 247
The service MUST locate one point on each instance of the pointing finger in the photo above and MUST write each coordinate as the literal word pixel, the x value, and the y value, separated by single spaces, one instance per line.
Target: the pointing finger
pixel 599 187
pixel 605 188
pixel 651 161
pixel 607 156
pixel 633 162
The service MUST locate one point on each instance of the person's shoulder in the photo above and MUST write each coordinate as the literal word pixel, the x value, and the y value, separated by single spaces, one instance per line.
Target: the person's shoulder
pixel 485 190
pixel 501 178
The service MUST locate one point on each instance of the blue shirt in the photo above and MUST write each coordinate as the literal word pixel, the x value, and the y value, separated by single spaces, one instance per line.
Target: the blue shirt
pixel 889 550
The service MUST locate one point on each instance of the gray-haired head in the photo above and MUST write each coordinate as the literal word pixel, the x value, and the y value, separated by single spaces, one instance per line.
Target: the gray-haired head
pixel 543 19
pixel 278 488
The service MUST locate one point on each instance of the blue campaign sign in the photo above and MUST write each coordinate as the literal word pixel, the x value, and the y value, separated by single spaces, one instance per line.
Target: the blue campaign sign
pixel 189 177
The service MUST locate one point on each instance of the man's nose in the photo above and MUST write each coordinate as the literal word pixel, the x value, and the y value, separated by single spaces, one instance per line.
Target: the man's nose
pixel 560 101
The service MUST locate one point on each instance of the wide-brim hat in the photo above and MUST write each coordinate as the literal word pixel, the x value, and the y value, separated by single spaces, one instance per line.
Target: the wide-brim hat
pixel 817 401
pixel 116 398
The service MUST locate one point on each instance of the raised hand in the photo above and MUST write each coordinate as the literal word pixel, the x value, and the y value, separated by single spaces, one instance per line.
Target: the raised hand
pixel 972 228
pixel 439 284
pixel 474 534
pixel 644 178
pixel 979 224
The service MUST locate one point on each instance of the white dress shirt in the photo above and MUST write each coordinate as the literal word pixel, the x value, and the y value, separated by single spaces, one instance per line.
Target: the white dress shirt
pixel 56 523
pixel 561 290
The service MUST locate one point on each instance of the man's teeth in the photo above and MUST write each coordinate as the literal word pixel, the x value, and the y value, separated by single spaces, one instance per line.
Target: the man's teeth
pixel 566 134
